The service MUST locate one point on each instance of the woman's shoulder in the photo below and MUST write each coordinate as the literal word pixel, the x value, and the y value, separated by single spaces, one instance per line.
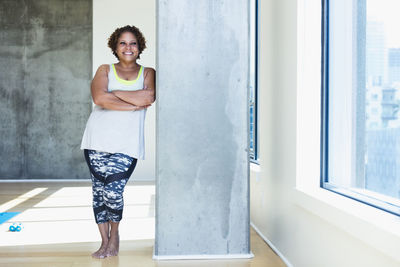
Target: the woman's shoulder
pixel 104 68
pixel 148 70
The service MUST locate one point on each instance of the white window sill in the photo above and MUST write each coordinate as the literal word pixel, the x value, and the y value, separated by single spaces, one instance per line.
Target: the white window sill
pixel 377 228
pixel 255 167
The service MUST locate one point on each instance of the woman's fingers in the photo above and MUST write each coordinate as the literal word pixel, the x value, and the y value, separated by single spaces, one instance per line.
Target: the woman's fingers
pixel 142 107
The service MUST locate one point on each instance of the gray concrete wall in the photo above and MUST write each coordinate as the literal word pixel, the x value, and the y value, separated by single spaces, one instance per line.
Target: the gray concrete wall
pixel 202 128
pixel 45 71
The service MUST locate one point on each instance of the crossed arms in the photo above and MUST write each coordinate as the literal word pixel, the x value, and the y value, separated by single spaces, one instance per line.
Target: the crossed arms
pixel 122 100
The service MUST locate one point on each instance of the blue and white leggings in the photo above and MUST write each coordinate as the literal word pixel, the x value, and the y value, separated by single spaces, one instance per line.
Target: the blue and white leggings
pixel 110 173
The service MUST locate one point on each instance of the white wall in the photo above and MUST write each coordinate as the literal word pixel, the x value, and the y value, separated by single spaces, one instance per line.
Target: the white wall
pixel 109 15
pixel 322 235
pixel 304 237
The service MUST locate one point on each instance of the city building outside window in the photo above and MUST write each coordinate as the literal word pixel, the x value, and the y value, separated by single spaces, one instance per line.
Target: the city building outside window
pixel 361 99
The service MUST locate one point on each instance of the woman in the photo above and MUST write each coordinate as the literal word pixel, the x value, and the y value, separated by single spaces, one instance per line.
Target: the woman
pixel 114 136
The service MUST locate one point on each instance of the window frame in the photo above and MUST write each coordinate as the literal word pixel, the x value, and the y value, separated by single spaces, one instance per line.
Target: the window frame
pixel 363 196
pixel 254 152
pixel 372 227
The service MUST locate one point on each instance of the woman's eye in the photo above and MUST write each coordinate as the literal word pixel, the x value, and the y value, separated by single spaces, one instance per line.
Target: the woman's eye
pixel 134 43
pixel 122 43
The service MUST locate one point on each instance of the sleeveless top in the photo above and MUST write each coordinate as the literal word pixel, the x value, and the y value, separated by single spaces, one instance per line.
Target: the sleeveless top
pixel 116 131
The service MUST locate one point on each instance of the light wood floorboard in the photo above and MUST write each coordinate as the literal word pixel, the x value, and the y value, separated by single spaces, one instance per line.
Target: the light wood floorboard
pixel 59 229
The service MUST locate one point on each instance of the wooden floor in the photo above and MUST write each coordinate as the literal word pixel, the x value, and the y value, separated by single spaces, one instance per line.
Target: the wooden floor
pixel 59 229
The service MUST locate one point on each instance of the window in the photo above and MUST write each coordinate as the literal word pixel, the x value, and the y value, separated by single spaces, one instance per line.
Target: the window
pixel 360 101
pixel 253 107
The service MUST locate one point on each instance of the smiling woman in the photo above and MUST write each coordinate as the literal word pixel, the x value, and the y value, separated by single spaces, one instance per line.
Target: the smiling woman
pixel 139 41
pixel 114 136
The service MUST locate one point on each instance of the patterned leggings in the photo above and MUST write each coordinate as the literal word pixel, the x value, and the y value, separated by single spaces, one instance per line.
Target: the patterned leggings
pixel 110 173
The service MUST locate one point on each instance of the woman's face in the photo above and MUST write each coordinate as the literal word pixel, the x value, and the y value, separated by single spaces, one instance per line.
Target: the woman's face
pixel 127 47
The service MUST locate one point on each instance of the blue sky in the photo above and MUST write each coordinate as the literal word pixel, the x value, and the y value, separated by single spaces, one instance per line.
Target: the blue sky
pixel 387 11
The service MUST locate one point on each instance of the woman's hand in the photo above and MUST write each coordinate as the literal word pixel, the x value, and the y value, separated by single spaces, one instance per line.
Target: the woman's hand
pixel 136 108
pixel 138 98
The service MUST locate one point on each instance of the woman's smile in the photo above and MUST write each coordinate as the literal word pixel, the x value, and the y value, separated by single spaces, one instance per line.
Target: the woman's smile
pixel 127 53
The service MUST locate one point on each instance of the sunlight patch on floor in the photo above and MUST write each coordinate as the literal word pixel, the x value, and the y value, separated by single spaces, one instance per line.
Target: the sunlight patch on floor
pixel 66 216
pixel 68 197
pixel 22 198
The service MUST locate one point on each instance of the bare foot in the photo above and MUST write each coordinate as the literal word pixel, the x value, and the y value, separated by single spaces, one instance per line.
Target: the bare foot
pixel 113 246
pixel 101 252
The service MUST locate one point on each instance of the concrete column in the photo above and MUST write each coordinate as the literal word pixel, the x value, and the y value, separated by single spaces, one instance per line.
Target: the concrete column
pixel 202 208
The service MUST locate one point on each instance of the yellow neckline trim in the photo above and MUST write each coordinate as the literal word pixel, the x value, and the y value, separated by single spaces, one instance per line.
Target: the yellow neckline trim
pixel 125 81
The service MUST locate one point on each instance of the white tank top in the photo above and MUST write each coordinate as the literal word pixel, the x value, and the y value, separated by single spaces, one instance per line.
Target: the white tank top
pixel 117 131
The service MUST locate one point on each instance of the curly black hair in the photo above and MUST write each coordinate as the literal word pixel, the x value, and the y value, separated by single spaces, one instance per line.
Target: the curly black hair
pixel 113 39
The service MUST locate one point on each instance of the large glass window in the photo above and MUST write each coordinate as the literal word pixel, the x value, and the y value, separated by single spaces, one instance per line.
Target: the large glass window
pixel 253 81
pixel 361 99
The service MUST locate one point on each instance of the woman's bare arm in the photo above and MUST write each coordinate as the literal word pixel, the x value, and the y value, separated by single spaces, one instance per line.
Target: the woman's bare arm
pixel 105 99
pixel 143 97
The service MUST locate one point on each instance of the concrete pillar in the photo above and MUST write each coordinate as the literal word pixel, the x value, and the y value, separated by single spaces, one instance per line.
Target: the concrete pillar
pixel 202 208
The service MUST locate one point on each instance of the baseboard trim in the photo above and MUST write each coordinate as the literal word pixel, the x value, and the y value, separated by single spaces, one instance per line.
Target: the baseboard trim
pixel 60 181
pixel 43 180
pixel 283 258
pixel 204 257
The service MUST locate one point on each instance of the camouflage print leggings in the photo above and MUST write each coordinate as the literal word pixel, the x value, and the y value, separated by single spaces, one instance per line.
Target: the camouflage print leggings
pixel 110 173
